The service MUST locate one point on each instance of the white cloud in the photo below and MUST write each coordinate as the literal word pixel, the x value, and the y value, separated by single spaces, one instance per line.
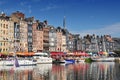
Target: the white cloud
pixel 50 7
pixel 113 30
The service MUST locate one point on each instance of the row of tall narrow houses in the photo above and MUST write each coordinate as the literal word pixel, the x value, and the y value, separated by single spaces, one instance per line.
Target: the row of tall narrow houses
pixel 98 43
pixel 21 34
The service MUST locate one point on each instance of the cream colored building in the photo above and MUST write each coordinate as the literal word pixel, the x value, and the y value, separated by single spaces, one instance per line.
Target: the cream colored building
pixel 6 34
pixel 64 46
pixel 23 36
pixel 21 31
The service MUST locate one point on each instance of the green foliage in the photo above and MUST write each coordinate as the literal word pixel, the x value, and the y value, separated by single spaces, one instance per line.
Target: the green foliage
pixel 88 60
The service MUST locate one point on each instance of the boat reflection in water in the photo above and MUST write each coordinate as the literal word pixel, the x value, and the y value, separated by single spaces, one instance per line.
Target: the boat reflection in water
pixel 12 73
pixel 79 71
pixel 42 72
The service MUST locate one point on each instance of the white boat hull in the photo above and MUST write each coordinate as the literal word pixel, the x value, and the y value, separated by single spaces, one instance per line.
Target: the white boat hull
pixel 44 60
pixel 107 59
pixel 20 62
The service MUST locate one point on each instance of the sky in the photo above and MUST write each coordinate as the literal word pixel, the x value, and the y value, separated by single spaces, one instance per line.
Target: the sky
pixel 100 17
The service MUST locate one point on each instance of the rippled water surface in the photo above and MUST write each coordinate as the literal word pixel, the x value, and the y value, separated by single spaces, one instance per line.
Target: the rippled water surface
pixel 78 71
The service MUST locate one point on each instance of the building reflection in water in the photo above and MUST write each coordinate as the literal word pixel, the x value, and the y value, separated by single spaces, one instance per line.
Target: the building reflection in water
pixel 86 71
pixel 79 71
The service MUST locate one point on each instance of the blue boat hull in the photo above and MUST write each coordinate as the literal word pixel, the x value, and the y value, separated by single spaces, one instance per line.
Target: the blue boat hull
pixel 69 61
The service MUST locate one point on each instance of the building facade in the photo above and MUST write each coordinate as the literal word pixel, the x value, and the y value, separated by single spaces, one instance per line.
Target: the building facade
pixel 45 37
pixel 98 43
pixel 37 37
pixel 59 39
pixel 52 39
pixel 20 31
pixel 64 46
pixel 30 22
pixel 6 34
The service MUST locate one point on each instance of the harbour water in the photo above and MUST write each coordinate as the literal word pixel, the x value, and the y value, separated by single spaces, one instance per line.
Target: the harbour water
pixel 77 71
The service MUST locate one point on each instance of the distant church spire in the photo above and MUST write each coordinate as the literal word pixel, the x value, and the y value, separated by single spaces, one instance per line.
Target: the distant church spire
pixel 64 23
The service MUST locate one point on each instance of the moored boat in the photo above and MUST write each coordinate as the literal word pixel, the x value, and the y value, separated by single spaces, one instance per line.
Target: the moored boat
pixel 104 59
pixel 67 61
pixel 20 62
pixel 42 58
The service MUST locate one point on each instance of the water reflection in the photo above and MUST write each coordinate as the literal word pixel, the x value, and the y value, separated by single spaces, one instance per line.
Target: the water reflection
pixel 42 72
pixel 79 71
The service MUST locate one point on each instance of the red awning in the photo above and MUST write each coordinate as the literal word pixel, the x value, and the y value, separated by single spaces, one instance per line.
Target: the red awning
pixel 101 52
pixel 83 54
pixel 57 53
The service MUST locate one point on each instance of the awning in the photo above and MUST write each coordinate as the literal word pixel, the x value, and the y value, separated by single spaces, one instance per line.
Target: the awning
pixel 82 54
pixel 100 52
pixel 105 53
pixel 70 54
pixel 56 53
pixel 25 53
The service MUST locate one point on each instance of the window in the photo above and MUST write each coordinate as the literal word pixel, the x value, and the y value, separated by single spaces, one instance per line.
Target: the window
pixel 3 25
pixel 52 44
pixel 52 39
pixel 0 44
pixel 4 44
pixel 6 26
pixel 3 49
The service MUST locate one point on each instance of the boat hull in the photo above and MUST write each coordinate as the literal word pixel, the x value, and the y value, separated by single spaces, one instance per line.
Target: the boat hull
pixel 20 62
pixel 109 59
pixel 69 61
pixel 44 61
